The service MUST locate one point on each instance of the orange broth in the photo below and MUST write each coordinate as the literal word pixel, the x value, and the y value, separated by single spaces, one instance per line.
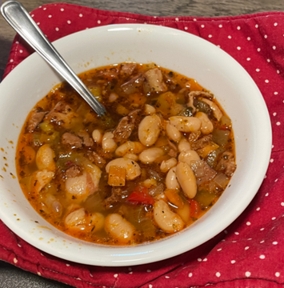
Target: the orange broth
pixel 64 153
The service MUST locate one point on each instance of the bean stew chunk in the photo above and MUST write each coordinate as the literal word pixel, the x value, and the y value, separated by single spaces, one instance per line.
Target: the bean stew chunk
pixel 159 159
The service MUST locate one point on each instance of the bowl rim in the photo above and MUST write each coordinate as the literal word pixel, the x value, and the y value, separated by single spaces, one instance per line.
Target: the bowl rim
pixel 158 250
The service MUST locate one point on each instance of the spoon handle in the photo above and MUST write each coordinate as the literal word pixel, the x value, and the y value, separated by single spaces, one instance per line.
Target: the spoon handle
pixel 15 14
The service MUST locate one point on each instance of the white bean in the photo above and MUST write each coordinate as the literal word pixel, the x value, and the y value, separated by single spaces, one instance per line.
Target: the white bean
pixel 97 136
pixel 166 165
pixel 186 179
pixel 108 143
pixel 134 147
pixel 149 129
pixel 76 219
pixel 185 124
pixel 40 179
pixel 206 124
pixel 131 167
pixel 131 156
pixel 149 109
pixel 119 228
pixel 188 156
pixel 166 219
pixel 172 132
pixel 183 145
pixel 45 158
pixel 150 155
pixel 171 179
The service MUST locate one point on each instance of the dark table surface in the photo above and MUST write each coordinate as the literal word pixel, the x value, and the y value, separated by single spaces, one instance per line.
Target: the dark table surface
pixel 11 276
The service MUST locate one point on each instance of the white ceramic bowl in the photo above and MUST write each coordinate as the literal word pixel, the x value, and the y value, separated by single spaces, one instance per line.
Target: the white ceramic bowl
pixel 169 48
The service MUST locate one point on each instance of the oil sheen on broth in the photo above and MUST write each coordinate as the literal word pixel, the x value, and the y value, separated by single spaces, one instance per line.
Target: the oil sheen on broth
pixel 152 166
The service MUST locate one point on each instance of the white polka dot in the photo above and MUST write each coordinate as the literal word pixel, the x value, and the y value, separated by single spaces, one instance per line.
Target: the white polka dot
pixel 99 22
pixel 220 25
pixel 199 259
pixel 275 24
pixel 248 223
pixel 266 194
pixel 247 273
pixel 274 47
pixel 56 29
pixel 205 259
pixel 189 274
pixel 38 273
pixel 262 241
pixel 67 264
pixel 262 256
pixel 15 260
pixel 186 28
pixel 239 48
pixel 257 209
pixel 167 277
pixel 202 25
pixel 115 275
pixel 271 160
pixel 150 286
pixel 218 274
pixel 262 229
pixel 233 261
pixel 19 245
pixel 219 249
pixel 49 16
pixel 80 15
pixel 68 22
pixel 248 38
pixel 11 60
pixel 258 49
pixel 229 36
pixel 149 270
pixel 238 28
pixel 210 36
pixel 266 81
pixel 275 93
pixel 177 19
pixel 247 247
pixel 256 26
pixel 248 59
pixel 278 123
pixel 237 233
pixel 274 243
pixel 268 60
pixel 277 274
pixel 61 9
pixel 265 36
pixel 257 70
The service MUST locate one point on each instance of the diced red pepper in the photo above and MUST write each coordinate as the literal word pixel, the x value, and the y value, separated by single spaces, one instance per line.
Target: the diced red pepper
pixel 194 208
pixel 141 196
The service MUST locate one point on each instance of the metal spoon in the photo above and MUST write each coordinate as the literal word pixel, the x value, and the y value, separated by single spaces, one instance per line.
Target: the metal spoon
pixel 16 15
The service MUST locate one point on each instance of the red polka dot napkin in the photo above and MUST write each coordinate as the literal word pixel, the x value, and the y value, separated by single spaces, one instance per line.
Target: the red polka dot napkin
pixel 250 252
